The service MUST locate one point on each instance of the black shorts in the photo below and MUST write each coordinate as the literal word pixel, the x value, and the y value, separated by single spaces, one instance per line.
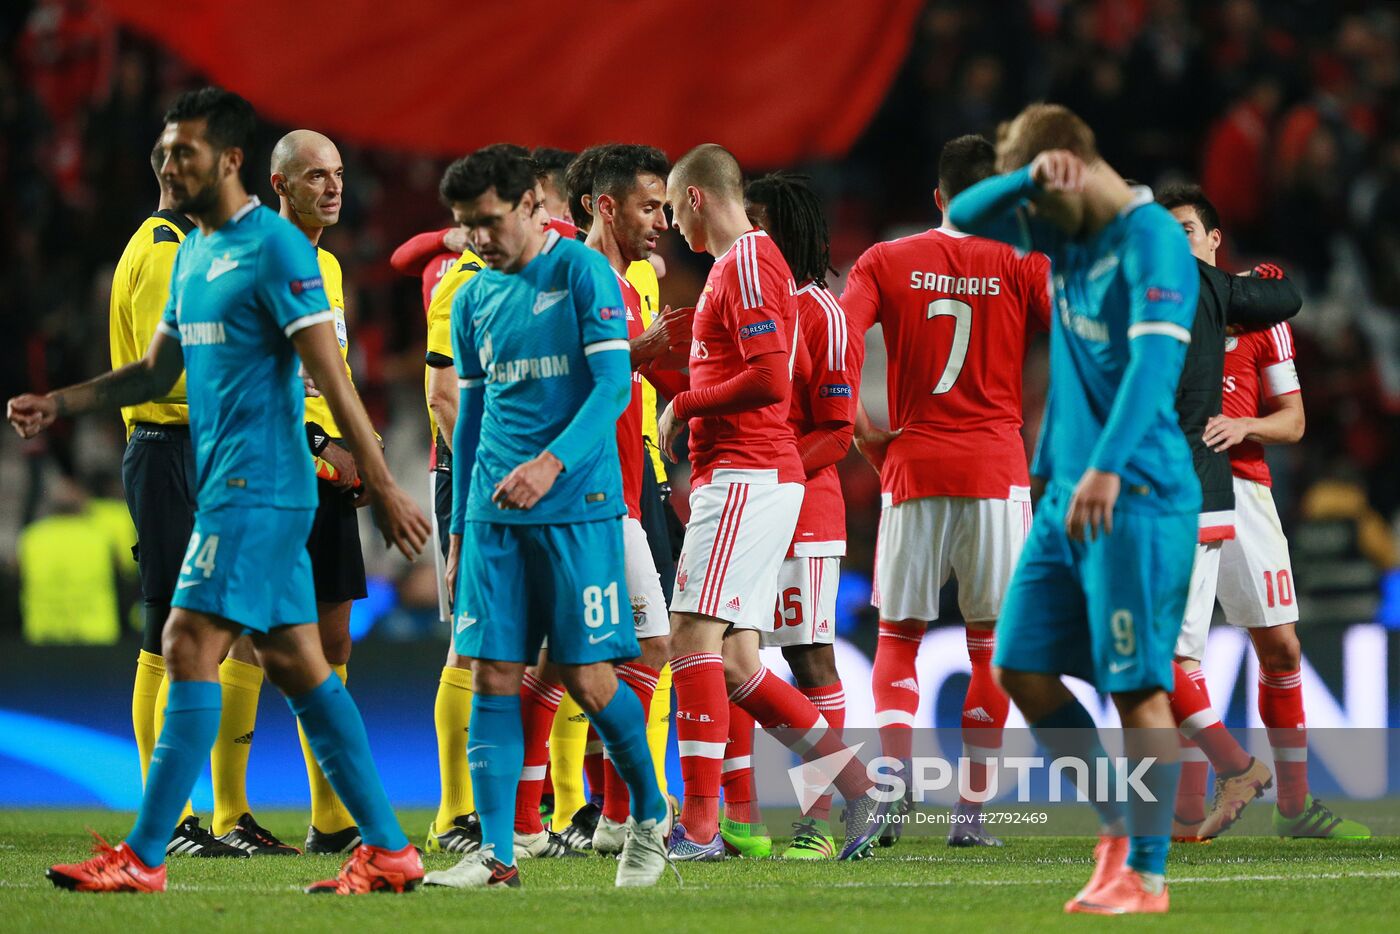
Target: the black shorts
pixel 664 529
pixel 158 474
pixel 337 563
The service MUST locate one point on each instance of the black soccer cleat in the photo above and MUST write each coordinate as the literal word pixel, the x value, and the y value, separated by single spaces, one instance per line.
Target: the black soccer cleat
pixel 342 841
pixel 251 837
pixel 190 839
pixel 579 833
pixel 463 836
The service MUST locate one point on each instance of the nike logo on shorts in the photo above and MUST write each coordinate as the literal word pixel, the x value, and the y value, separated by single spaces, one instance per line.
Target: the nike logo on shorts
pixel 183 584
pixel 595 639
pixel 1116 667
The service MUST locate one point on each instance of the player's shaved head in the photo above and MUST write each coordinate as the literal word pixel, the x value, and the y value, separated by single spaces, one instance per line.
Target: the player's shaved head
pixel 297 148
pixel 712 169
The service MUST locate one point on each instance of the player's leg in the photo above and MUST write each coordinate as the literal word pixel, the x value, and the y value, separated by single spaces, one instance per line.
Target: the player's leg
pixel 541 691
pixel 332 829
pixel 576 814
pixel 241 677
pixel 664 533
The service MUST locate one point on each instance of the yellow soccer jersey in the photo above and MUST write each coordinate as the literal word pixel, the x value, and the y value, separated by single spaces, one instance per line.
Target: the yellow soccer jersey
pixel 140 291
pixel 642 275
pixel 440 318
pixel 317 409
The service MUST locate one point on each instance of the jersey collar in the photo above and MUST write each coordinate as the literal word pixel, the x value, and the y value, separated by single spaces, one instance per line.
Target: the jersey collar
pixel 184 224
pixel 1141 195
pixel 253 202
pixel 949 231
pixel 551 238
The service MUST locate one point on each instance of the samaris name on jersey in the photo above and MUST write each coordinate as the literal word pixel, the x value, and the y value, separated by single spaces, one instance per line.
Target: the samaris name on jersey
pixel 955 285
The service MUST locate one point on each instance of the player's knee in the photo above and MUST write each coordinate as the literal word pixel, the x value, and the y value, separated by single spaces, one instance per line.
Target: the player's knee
pixel 337 648
pixel 656 651
pixel 1280 653
pixel 813 666
pixel 187 656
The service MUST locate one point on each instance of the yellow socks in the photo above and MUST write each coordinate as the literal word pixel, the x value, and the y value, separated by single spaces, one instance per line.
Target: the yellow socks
pixel 659 724
pixel 161 696
pixel 228 759
pixel 328 814
pixel 451 716
pixel 150 672
pixel 567 738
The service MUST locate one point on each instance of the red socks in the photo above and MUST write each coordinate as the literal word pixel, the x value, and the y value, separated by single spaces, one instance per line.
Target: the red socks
pixel 895 680
pixel 538 703
pixel 984 714
pixel 830 701
pixel 616 798
pixel 702 729
pixel 593 766
pixel 781 709
pixel 1195 767
pixel 1281 709
pixel 736 774
pixel 1198 722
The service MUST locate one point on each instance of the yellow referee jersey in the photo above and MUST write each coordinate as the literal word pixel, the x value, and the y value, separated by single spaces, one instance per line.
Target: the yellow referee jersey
pixel 140 291
pixel 642 275
pixel 440 318
pixel 317 409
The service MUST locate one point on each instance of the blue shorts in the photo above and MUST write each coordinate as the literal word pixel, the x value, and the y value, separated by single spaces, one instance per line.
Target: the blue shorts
pixel 249 565
pixel 518 584
pixel 1107 611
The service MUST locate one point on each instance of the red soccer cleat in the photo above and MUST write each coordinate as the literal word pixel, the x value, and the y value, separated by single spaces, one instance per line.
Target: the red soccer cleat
pixel 116 869
pixel 1122 895
pixel 374 869
pixel 1110 861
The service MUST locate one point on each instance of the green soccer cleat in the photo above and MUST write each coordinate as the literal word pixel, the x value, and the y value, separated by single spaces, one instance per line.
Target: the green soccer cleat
pixel 811 839
pixel 1318 822
pixel 751 841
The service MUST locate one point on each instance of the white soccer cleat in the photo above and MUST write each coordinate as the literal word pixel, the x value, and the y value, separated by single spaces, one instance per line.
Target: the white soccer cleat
pixel 477 870
pixel 609 837
pixel 543 845
pixel 644 856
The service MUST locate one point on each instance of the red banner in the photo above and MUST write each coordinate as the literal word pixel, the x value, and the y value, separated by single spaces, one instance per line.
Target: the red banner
pixel 777 81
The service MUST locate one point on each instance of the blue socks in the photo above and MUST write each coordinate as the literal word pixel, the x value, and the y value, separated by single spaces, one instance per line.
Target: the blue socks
pixel 1150 823
pixel 191 725
pixel 495 757
pixel 336 735
pixel 622 726
pixel 1070 732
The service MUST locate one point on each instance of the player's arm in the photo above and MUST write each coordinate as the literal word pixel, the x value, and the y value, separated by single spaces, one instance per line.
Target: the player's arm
pixel 605 348
pixel 831 390
pixel 872 443
pixel 148 378
pixel 443 397
pixel 1163 287
pixel 993 208
pixel 465 436
pixel 442 383
pixel 1263 298
pixel 1285 423
pixel 665 344
pixel 412 256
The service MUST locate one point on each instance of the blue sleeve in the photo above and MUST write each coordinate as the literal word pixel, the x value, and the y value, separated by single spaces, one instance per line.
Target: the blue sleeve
pixel 289 279
pixel 1163 287
pixel 995 208
pixel 169 321
pixel 602 322
pixel 471 403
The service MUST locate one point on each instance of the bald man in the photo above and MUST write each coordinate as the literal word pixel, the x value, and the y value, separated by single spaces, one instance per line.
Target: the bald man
pixel 307 175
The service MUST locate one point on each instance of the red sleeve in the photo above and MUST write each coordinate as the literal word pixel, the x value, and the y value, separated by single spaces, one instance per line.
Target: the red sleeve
pixel 861 300
pixel 1035 287
pixel 413 254
pixel 668 383
pixel 1277 345
pixel 757 300
pixel 825 446
pixel 763 382
pixel 831 389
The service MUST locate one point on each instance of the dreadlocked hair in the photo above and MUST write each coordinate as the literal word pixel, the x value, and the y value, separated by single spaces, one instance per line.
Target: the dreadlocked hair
pixel 795 222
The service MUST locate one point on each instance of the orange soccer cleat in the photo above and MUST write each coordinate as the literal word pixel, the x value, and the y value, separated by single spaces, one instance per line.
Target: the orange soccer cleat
pixel 1124 894
pixel 1110 861
pixel 374 869
pixel 112 869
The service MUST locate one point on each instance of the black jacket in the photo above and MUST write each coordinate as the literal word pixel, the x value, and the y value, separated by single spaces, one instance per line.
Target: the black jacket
pixel 1251 303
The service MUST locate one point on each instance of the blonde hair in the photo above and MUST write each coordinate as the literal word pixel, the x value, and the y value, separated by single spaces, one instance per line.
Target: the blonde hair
pixel 1042 127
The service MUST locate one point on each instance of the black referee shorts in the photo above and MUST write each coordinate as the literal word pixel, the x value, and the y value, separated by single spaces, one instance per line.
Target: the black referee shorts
pixel 337 563
pixel 664 529
pixel 158 474
pixel 442 495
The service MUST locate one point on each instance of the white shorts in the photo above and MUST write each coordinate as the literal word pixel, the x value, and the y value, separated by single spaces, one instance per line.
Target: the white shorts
pixel 806 611
pixel 734 546
pixel 923 541
pixel 643 583
pixel 1251 574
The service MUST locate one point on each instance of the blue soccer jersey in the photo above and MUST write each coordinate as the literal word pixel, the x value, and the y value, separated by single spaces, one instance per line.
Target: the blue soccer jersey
pixel 527 338
pixel 236 297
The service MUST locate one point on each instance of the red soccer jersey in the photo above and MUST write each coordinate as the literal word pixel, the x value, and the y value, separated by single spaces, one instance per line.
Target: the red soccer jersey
pixel 1258 366
pixel 631 446
pixel 957 311
pixel 436 268
pixel 825 385
pixel 747 309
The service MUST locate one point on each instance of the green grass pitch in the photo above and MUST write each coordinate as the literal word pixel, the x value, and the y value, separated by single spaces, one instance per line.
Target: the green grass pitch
pixel 1235 884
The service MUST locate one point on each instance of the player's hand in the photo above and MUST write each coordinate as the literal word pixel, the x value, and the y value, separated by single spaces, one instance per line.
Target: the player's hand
pixel 346 476
pixel 1223 433
pixel 666 343
pixel 668 429
pixel 457 240
pixel 527 484
pixel 1091 506
pixel 875 444
pixel 31 414
pixel 400 520
pixel 1058 170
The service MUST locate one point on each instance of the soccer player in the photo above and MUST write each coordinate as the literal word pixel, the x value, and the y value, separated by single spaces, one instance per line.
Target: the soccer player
pixel 455 828
pixel 958 312
pixel 246 302
pixel 825 385
pixel 746 494
pixel 158 474
pixel 540 346
pixel 1101 586
pixel 1250 572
